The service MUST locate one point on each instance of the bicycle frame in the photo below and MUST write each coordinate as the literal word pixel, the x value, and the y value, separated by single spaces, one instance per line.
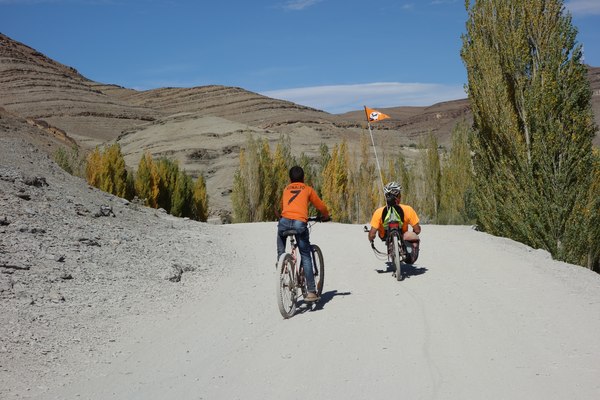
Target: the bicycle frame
pixel 298 280
pixel 394 230
pixel 298 272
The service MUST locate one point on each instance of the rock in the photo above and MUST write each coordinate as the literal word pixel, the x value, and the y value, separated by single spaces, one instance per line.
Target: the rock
pixel 55 296
pixel 65 276
pixel 174 273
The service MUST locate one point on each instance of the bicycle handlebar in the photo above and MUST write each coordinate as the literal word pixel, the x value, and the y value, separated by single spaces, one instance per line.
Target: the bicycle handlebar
pixel 318 218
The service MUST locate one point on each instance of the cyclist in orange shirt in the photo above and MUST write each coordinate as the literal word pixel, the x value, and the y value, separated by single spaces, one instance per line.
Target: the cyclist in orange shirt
pixel 409 217
pixel 294 215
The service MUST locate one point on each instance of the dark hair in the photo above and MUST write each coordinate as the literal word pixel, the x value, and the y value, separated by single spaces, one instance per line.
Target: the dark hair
pixel 390 200
pixel 296 174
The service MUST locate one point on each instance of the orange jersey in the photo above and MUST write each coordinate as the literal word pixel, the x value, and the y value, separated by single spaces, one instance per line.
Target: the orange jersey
pixel 410 218
pixel 296 197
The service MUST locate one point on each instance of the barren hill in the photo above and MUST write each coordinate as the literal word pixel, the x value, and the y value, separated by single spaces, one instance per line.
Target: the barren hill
pixel 202 127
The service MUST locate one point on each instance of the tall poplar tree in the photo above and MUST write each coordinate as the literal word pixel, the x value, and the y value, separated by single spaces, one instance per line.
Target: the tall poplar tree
pixel 168 170
pixel 200 200
pixel 593 218
pixel 432 178
pixel 267 183
pixel 181 197
pixel 533 123
pixel 147 181
pixel 335 183
pixel 239 193
pixel 367 182
pixel 457 178
pixel 282 159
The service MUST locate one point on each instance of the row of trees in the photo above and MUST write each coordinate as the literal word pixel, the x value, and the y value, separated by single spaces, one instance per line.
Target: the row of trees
pixel 438 184
pixel 159 183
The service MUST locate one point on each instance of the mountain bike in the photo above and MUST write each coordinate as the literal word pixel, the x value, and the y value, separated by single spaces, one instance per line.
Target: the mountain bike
pixel 291 283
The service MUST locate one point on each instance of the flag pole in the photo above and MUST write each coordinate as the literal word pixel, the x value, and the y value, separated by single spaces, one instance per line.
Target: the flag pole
pixel 374 149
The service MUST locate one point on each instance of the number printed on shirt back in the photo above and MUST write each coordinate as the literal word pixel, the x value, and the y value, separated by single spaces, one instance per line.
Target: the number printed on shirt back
pixel 296 193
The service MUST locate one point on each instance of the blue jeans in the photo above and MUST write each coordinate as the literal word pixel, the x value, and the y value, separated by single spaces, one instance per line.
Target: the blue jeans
pixel 303 245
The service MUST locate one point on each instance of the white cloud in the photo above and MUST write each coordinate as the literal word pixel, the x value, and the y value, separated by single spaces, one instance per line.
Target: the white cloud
pixel 584 8
pixel 343 98
pixel 295 5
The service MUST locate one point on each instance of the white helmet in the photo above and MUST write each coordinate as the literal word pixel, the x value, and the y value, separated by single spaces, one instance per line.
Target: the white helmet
pixel 392 189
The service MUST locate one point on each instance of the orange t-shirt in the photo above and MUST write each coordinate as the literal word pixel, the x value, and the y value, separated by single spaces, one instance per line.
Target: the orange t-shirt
pixel 410 218
pixel 296 197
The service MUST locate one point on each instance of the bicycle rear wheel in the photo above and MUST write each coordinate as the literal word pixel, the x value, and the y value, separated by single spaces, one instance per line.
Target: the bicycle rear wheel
pixel 318 268
pixel 396 257
pixel 286 286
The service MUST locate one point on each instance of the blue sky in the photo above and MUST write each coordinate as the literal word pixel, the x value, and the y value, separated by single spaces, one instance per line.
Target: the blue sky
pixel 334 55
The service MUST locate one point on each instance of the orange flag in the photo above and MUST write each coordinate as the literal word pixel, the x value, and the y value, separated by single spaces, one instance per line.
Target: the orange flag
pixel 374 115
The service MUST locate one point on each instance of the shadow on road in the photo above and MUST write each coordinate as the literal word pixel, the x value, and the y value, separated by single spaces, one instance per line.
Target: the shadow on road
pixel 408 269
pixel 325 298
pixel 411 270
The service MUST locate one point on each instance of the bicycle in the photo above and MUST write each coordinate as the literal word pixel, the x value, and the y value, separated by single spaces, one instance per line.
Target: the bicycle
pixel 291 282
pixel 396 248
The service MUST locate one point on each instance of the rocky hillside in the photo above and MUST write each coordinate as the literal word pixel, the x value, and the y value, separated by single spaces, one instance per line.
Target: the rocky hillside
pixel 77 265
pixel 201 127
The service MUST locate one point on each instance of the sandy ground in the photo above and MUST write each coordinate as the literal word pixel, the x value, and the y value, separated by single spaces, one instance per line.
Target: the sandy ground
pixel 481 317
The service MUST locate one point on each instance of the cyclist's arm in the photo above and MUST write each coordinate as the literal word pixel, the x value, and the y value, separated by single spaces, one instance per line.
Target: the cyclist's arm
pixel 375 224
pixel 372 234
pixel 416 228
pixel 410 218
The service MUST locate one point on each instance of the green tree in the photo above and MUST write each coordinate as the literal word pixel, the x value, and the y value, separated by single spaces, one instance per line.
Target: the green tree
pixel 70 161
pixel 93 168
pixel 114 172
pixel 181 197
pixel 199 200
pixel 457 178
pixel 398 171
pixel 147 181
pixel 431 195
pixel 282 159
pixel 107 171
pixel 267 184
pixel 239 207
pixel 323 160
pixel 168 170
pixel 335 178
pixel 367 182
pixel 533 123
pixel 251 175
pixel 590 251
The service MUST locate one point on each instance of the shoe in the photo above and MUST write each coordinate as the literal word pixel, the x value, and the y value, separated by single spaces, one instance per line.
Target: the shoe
pixel 311 296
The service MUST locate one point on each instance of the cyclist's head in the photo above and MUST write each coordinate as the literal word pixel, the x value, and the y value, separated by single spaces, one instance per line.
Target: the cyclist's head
pixel 296 174
pixel 392 191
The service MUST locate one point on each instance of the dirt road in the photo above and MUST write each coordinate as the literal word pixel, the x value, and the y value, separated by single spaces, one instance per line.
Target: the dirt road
pixel 480 318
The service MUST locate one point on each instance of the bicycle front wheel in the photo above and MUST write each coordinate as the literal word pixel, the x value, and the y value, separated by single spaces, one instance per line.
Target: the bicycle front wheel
pixel 318 268
pixel 286 286
pixel 396 257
